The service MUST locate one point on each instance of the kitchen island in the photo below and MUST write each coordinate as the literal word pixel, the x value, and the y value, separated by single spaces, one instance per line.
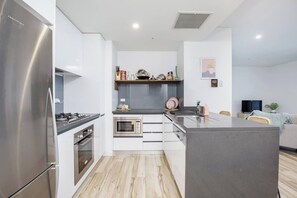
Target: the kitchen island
pixel 219 156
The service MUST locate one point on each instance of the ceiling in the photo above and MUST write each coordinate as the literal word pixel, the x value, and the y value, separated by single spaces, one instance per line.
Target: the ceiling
pixel 276 20
pixel 114 18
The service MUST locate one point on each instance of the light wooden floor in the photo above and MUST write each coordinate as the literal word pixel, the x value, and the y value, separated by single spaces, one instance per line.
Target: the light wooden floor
pixel 288 174
pixel 131 175
pixel 148 176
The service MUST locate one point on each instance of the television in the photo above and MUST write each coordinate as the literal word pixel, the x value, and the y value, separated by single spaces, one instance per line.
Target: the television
pixel 248 106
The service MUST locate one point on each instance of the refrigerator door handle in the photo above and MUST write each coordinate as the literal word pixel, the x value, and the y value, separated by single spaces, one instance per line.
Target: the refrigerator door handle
pixel 55 163
pixel 54 127
pixel 57 171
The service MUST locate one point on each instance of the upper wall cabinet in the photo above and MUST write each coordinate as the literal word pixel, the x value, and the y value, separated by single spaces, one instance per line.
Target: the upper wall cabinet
pixel 44 10
pixel 68 45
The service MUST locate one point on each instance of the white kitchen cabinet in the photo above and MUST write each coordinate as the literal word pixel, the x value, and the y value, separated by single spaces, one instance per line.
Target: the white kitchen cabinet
pixel 152 146
pixel 175 152
pixel 152 127
pixel 68 46
pixel 66 164
pixel 98 139
pixel 127 144
pixel 45 9
pixel 168 136
pixel 102 136
pixel 152 133
pixel 67 188
pixel 152 137
pixel 178 159
pixel 156 118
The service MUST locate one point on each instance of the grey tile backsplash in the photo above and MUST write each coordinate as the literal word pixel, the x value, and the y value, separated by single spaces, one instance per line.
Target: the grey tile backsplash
pixel 147 96
pixel 59 92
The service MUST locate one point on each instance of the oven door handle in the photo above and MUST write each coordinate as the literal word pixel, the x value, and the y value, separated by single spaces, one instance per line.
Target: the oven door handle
pixel 85 141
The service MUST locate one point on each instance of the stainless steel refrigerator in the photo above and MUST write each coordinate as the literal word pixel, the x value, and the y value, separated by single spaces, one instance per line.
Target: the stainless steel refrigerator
pixel 28 139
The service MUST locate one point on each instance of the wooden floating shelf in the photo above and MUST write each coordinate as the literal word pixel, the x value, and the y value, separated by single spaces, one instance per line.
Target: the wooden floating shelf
pixel 145 82
pixel 148 81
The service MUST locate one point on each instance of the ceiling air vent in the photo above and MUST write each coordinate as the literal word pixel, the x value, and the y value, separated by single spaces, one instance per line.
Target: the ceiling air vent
pixel 190 20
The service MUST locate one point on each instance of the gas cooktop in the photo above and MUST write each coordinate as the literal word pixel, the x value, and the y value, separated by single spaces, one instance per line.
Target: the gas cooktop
pixel 70 117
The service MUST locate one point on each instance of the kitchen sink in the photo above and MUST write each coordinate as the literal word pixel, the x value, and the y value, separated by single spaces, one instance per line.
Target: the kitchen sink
pixel 187 116
pixel 185 113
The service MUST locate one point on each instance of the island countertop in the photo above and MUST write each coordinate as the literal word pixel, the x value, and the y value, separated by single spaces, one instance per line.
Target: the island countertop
pixel 214 122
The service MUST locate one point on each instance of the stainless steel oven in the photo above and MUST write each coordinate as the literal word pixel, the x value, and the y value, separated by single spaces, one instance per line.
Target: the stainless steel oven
pixel 83 152
pixel 127 126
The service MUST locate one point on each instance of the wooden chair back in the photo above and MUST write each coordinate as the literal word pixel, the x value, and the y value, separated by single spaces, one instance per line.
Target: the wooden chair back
pixel 259 119
pixel 226 113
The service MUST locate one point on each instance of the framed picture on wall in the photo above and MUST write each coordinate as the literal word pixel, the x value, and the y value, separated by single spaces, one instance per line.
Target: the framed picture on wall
pixel 208 68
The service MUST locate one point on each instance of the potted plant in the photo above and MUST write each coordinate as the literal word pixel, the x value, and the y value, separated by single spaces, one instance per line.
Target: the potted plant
pixel 273 106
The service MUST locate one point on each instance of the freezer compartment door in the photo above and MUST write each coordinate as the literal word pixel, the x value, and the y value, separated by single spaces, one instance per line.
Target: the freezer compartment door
pixel 43 186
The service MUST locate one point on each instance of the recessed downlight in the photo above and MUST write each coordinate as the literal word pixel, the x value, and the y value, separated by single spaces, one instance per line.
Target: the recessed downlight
pixel 258 36
pixel 135 26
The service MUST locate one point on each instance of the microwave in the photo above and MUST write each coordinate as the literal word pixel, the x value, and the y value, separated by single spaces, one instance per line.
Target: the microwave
pixel 127 126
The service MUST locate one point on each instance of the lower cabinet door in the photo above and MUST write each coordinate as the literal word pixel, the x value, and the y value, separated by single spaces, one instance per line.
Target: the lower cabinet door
pixel 179 166
pixel 127 144
pixel 152 146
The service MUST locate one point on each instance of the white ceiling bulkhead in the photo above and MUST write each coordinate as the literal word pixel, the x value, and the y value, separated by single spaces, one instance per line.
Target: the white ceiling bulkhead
pixel 156 19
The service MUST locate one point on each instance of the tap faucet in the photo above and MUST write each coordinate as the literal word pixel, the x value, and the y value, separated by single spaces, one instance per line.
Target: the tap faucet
pixel 198 107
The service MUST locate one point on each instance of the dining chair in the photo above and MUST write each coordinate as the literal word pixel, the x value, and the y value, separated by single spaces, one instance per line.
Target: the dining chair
pixel 226 113
pixel 259 119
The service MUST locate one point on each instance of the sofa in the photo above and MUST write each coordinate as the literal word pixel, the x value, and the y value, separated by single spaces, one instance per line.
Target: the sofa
pixel 288 136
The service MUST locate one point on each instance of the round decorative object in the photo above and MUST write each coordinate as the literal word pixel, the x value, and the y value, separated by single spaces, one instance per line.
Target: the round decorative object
pixel 153 78
pixel 142 74
pixel 161 77
pixel 175 101
pixel 143 77
pixel 170 104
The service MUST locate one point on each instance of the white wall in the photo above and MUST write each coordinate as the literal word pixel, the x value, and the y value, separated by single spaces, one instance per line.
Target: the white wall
pixel 250 83
pixel 180 61
pixel 84 94
pixel 219 46
pixel 44 10
pixel 283 87
pixel 154 62
pixel 269 84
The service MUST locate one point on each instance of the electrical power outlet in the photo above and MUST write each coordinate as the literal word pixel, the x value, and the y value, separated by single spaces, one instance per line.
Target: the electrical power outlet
pixel 221 83
pixel 123 99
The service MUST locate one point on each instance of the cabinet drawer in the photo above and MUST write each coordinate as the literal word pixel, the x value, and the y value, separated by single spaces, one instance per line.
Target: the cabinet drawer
pixel 152 127
pixel 152 146
pixel 152 137
pixel 152 118
pixel 128 144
